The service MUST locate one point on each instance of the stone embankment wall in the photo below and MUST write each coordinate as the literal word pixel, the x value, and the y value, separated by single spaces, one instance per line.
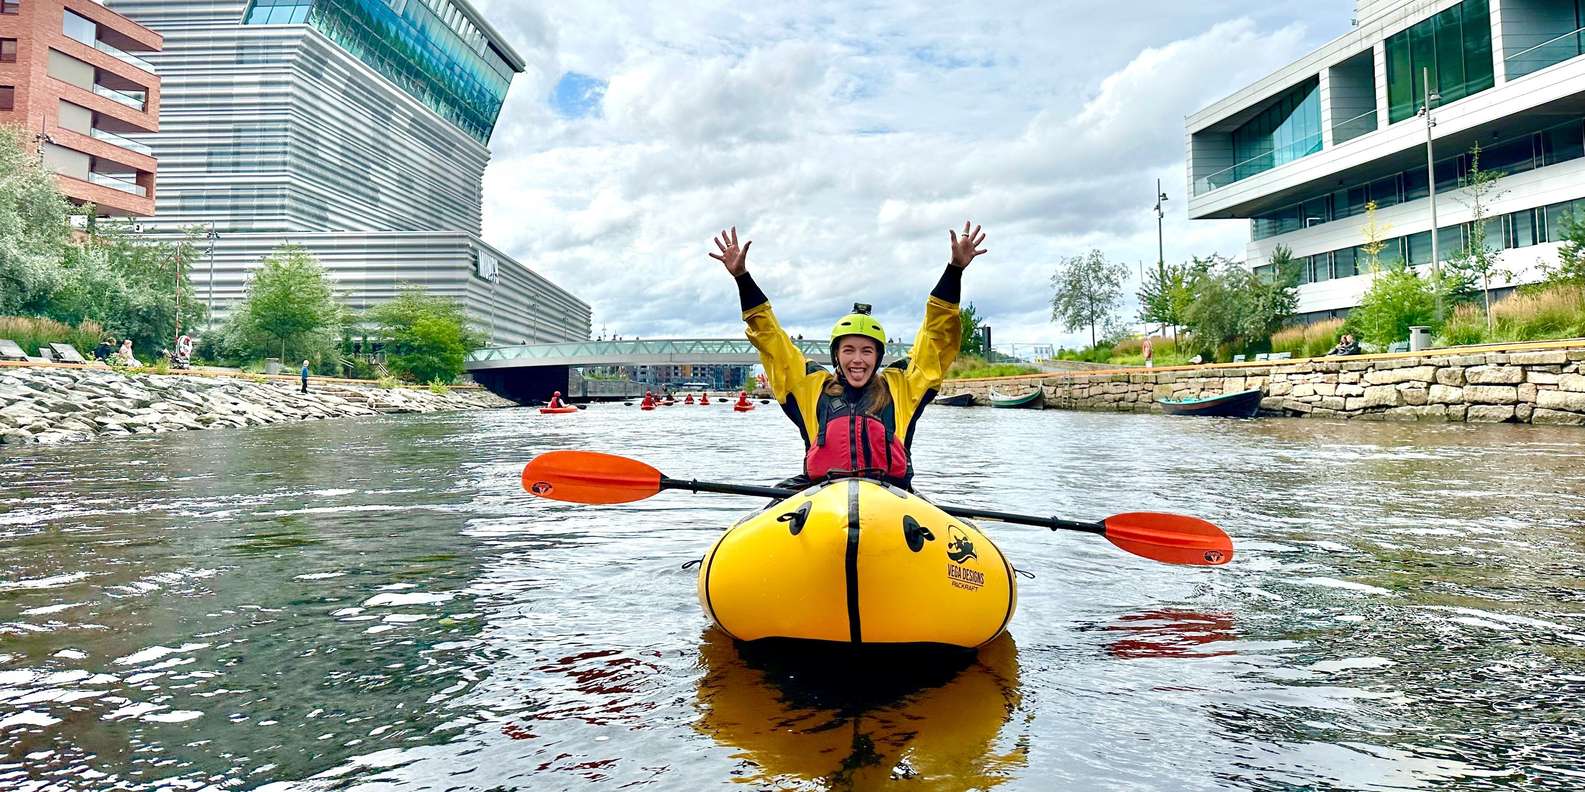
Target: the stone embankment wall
pixel 1545 386
pixel 62 404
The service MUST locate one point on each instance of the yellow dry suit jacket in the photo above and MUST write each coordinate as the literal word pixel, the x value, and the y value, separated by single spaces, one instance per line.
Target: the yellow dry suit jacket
pixel 797 382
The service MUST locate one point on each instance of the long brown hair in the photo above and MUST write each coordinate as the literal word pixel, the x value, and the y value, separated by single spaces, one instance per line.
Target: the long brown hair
pixel 877 396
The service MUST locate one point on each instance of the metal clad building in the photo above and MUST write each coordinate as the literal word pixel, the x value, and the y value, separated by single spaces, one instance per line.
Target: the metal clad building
pixel 358 129
pixel 1302 151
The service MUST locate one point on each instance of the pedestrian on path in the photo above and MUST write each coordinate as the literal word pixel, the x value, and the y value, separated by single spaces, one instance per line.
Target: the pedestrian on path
pixel 304 374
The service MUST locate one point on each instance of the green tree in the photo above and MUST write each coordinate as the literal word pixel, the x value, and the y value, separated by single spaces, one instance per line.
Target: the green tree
pixel 290 307
pixel 1398 299
pixel 426 336
pixel 33 229
pixel 1234 307
pixel 135 286
pixel 1477 260
pixel 1165 295
pixel 1375 237
pixel 969 328
pixel 1088 292
pixel 1570 269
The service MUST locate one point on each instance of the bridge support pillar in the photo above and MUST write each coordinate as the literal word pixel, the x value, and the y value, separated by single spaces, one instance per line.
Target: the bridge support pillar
pixel 526 384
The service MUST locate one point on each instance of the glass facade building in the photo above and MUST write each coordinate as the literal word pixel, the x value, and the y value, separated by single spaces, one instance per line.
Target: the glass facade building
pixel 1287 130
pixel 1453 47
pixel 428 48
pixel 1555 144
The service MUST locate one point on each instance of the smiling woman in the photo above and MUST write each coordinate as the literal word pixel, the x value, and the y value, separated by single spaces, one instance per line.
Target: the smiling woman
pixel 853 422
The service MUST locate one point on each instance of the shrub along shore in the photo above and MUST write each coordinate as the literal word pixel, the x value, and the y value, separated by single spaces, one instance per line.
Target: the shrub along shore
pixel 57 404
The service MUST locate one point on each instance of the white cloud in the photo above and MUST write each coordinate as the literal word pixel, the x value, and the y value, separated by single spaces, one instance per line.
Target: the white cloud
pixel 846 139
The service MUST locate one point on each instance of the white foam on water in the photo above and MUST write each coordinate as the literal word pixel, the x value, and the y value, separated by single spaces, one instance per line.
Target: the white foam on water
pixel 1350 664
pixel 71 654
pixel 416 598
pixel 176 716
pixel 132 711
pixel 1346 585
pixel 1501 617
pixel 48 609
pixel 156 652
pixel 29 718
pixel 43 583
pixel 319 576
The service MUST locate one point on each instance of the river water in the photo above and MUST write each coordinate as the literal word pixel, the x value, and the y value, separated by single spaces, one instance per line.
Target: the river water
pixel 375 603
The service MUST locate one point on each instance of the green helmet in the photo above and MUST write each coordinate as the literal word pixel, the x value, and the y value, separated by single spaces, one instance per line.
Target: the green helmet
pixel 858 323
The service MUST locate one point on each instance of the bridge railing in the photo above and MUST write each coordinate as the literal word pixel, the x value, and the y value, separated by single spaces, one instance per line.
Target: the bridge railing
pixel 705 348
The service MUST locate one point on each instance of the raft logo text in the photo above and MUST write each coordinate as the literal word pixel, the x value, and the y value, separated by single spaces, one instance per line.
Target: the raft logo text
pixel 965 578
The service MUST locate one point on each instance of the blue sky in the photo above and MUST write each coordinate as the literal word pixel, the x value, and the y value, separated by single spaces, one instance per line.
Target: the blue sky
pixel 845 138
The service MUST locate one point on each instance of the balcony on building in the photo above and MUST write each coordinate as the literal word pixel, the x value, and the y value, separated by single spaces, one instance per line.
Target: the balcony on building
pixel 106 39
pixel 1280 130
pixel 1537 34
pixel 1351 97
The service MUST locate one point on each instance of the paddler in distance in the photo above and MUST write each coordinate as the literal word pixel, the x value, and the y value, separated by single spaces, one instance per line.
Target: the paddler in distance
pixel 860 420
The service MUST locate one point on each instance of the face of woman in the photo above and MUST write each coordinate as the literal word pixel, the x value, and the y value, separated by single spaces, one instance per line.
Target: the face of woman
pixel 857 358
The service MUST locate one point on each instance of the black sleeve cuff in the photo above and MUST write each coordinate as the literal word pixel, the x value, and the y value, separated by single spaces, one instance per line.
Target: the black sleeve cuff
pixel 748 292
pixel 950 287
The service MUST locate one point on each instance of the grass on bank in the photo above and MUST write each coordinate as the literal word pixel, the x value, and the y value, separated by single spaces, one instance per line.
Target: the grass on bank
pixel 1311 340
pixel 973 367
pixel 30 333
pixel 1129 352
pixel 1554 312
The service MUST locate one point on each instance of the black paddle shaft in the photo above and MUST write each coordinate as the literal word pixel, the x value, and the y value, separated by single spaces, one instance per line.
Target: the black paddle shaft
pixel 1054 523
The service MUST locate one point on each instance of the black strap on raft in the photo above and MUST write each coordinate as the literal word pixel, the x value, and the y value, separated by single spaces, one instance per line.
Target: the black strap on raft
pixel 693 563
pixel 1023 573
pixel 796 518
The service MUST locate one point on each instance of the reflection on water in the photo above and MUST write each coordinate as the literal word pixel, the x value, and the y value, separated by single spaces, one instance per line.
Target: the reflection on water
pixel 376 604
pixel 821 719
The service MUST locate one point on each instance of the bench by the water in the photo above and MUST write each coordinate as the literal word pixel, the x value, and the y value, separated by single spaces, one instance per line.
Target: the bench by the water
pixel 66 353
pixel 10 351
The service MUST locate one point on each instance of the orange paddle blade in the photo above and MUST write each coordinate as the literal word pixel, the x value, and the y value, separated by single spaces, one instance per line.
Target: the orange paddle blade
pixel 589 477
pixel 1170 538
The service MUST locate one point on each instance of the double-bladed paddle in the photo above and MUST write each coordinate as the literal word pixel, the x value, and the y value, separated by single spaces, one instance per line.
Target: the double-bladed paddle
pixel 592 477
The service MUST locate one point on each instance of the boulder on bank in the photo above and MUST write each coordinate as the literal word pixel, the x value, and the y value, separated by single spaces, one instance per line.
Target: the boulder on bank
pixel 40 404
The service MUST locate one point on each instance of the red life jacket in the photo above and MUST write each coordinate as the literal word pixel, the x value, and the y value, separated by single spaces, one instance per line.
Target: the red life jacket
pixel 851 443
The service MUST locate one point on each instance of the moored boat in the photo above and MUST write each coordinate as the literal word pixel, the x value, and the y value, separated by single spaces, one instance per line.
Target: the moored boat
pixel 858 562
pixel 955 400
pixel 1034 399
pixel 1243 404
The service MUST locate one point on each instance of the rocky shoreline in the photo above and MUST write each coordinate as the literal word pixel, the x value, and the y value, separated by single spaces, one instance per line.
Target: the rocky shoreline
pixel 1521 385
pixel 43 404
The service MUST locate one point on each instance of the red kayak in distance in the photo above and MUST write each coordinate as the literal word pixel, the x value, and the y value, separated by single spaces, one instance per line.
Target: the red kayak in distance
pixel 743 404
pixel 556 407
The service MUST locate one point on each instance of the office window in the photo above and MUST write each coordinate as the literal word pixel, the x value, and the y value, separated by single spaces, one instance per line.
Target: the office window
pixel 1449 241
pixel 1521 229
pixel 8 50
pixel 1385 191
pixel 1511 156
pixel 1454 47
pixel 1415 184
pixel 10 6
pixel 1418 248
pixel 1563 143
pixel 1286 130
pixel 7 97
pixel 1320 267
pixel 1317 210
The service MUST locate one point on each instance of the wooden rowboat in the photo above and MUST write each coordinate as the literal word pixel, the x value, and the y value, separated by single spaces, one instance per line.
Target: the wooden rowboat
pixel 1034 400
pixel 1243 404
pixel 956 400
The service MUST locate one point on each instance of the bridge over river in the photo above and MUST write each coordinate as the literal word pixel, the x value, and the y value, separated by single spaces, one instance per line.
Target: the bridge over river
pixel 530 372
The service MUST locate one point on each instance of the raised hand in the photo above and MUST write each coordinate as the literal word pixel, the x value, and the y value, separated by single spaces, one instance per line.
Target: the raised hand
pixel 734 257
pixel 963 247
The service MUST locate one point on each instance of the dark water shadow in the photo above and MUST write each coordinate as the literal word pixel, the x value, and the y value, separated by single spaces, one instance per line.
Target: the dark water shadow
pixel 822 717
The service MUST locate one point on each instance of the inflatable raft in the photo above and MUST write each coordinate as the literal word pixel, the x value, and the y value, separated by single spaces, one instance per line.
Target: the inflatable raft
pixel 858 562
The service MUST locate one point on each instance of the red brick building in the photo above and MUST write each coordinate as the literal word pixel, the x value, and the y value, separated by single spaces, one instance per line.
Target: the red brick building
pixel 69 73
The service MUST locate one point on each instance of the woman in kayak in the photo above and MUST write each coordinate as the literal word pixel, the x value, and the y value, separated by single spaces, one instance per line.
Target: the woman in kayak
pixel 859 421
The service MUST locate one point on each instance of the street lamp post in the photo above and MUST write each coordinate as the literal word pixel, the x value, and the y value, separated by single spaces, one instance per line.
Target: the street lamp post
pixel 1430 178
pixel 209 322
pixel 1161 198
